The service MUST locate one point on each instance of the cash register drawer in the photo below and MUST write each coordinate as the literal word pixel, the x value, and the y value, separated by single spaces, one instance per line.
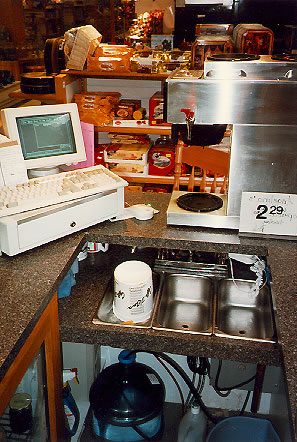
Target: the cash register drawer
pixel 30 229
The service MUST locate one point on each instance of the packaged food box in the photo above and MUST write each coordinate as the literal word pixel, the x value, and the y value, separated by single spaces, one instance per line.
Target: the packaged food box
pixel 126 107
pixel 107 50
pixel 206 45
pixel 129 123
pixel 142 64
pixel 161 160
pixel 129 138
pixel 156 108
pixel 110 58
pixel 213 28
pixel 128 168
pixel 124 153
pixel 97 108
pixel 253 39
pixel 108 64
pixel 99 154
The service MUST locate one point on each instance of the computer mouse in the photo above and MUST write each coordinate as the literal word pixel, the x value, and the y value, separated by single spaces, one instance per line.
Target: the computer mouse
pixel 142 211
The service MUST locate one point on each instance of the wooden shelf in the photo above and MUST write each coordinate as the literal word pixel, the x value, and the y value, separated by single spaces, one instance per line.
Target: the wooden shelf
pixel 154 179
pixel 122 75
pixel 151 130
pixel 41 97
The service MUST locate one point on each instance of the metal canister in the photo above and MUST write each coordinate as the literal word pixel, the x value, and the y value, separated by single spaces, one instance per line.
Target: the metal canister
pixel 20 412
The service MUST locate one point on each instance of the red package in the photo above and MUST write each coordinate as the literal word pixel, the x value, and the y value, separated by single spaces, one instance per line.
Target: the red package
pixel 161 160
pixel 156 107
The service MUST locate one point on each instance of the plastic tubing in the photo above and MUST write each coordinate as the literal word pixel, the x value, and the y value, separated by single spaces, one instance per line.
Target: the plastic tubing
pixel 185 377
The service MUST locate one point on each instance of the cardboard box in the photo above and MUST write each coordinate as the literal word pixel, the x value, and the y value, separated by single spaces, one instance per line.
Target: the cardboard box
pixel 128 169
pixel 97 107
pixel 125 153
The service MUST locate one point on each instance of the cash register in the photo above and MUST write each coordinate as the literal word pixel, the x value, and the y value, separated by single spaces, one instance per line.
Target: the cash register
pixel 46 201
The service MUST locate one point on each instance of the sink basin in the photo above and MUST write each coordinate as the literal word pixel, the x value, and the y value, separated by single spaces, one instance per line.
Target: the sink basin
pixel 242 314
pixel 185 304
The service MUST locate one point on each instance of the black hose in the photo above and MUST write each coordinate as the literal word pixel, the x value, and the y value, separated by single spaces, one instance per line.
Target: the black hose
pixel 245 403
pixel 201 369
pixel 185 377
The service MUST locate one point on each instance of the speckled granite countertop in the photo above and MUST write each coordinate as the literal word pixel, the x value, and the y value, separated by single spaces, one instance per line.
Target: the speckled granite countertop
pixel 28 281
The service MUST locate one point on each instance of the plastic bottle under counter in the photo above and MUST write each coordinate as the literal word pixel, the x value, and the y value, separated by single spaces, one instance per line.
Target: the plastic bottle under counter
pixel 192 427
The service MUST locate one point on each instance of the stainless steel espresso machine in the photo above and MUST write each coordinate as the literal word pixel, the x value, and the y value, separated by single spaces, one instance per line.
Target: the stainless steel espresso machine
pixel 257 95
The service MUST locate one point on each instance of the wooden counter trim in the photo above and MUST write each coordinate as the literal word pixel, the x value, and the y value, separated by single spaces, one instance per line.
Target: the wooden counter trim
pixel 46 331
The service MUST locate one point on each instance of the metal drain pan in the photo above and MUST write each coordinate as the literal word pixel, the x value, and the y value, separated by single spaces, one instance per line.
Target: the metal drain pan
pixel 241 314
pixel 185 304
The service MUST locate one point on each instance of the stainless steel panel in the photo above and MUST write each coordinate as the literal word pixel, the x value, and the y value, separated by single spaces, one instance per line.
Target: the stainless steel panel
pixel 243 101
pixel 243 314
pixel 264 68
pixel 263 159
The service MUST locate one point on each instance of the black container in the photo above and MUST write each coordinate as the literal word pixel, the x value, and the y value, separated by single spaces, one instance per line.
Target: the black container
pixel 201 134
pixel 127 399
pixel 20 413
pixel 37 83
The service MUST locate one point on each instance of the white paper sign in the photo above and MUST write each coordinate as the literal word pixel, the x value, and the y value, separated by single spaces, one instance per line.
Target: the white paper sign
pixel 268 214
pixel 12 165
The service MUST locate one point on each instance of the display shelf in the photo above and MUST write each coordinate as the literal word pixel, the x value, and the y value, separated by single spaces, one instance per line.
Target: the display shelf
pixel 121 75
pixel 152 179
pixel 156 179
pixel 150 130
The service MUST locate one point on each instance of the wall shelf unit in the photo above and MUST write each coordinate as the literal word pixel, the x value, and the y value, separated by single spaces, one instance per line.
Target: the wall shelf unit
pixel 70 82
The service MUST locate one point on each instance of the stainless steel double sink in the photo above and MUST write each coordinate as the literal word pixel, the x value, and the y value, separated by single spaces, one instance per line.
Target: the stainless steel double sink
pixel 219 306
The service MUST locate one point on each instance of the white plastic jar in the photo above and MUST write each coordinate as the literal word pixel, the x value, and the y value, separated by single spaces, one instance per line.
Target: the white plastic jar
pixel 133 291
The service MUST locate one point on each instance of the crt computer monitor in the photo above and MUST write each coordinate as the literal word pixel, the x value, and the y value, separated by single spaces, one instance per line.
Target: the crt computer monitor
pixel 49 135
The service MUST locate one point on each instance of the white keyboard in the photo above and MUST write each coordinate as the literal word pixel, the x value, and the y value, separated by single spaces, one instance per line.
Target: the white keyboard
pixel 57 188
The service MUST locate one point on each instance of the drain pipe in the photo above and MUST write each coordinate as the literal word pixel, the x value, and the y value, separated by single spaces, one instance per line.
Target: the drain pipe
pixel 258 388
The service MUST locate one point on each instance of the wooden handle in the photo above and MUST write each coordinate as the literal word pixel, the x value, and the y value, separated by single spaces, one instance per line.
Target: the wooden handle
pixel 178 164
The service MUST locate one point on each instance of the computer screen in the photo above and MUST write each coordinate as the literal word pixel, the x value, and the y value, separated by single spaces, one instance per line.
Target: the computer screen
pixel 49 135
pixel 46 135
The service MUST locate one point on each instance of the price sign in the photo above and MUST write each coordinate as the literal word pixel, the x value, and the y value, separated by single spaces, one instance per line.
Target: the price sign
pixel 268 214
